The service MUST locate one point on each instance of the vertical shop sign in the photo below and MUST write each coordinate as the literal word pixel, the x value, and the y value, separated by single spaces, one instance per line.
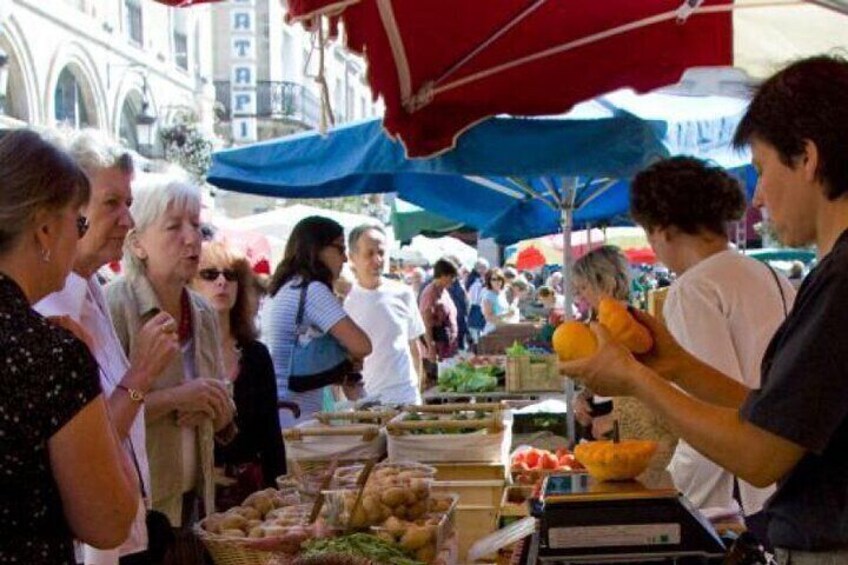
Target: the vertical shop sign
pixel 243 70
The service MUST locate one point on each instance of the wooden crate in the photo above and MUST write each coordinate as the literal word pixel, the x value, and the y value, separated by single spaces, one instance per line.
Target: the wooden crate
pixel 470 471
pixel 473 493
pixel 473 523
pixel 524 375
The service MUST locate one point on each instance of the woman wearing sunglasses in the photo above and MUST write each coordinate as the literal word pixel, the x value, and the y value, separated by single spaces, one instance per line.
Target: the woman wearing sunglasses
pixel 58 450
pixel 302 311
pixel 255 457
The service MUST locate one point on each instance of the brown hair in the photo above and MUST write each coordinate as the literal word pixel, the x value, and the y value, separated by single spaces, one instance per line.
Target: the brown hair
pixel 493 275
pixel 243 313
pixel 34 175
pixel 686 193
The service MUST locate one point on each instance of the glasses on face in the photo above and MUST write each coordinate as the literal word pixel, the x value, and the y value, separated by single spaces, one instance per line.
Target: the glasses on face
pixel 212 275
pixel 82 226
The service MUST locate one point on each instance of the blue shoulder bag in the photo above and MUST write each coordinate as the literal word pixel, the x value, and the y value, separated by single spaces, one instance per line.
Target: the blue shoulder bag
pixel 318 362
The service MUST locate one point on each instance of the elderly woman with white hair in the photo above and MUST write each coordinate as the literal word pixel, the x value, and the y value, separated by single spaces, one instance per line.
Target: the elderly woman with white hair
pixel 189 403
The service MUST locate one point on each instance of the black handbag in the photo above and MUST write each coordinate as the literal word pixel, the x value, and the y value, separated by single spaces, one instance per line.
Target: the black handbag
pixel 160 534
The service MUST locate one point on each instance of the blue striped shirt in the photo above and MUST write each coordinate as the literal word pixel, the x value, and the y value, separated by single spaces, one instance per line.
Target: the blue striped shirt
pixel 322 311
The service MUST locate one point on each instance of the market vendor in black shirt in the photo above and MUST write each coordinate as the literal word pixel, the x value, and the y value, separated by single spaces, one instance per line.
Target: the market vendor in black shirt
pixel 793 430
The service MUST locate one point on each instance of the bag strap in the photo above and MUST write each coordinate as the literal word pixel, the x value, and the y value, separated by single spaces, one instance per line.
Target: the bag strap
pixel 137 469
pixel 779 288
pixel 301 306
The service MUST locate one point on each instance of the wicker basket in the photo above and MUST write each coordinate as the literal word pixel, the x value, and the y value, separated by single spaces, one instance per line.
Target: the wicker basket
pixel 231 551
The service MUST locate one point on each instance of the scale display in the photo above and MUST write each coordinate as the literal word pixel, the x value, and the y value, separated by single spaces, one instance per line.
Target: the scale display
pixel 585 521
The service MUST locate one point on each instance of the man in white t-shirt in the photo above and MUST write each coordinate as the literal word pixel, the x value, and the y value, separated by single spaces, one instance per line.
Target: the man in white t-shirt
pixel 388 312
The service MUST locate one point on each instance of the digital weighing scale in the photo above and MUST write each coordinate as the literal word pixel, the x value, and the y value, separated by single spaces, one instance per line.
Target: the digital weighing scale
pixel 584 521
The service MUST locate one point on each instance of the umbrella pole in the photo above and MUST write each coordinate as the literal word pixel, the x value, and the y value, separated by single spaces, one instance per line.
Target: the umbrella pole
pixel 569 189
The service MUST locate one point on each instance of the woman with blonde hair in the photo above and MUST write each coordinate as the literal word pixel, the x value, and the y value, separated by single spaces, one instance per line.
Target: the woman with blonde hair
pixel 255 457
pixel 604 273
pixel 189 405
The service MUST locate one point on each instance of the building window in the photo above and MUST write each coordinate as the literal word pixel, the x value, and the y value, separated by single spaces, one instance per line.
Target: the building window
pixel 181 50
pixel 70 105
pixel 180 38
pixel 132 9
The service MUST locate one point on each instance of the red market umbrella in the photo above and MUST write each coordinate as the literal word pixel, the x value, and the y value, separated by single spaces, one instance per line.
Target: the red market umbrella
pixel 530 258
pixel 185 3
pixel 642 256
pixel 443 68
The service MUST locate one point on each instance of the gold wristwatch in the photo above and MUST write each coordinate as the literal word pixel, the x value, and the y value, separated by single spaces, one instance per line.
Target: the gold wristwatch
pixel 135 394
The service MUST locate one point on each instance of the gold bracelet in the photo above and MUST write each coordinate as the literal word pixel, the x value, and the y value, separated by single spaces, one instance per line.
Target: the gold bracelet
pixel 135 394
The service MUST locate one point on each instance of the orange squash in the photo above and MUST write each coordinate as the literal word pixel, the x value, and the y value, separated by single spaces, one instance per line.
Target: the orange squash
pixel 622 327
pixel 574 340
pixel 610 461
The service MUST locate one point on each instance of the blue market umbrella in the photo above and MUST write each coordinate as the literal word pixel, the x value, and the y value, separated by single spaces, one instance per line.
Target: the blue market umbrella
pixel 511 178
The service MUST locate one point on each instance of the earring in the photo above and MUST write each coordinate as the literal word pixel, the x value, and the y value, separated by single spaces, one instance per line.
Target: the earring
pixel 45 254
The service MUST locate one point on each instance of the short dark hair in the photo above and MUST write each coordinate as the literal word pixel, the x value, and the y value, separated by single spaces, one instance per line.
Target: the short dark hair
pixel 443 267
pixel 35 174
pixel 306 241
pixel 686 193
pixel 805 101
pixel 357 233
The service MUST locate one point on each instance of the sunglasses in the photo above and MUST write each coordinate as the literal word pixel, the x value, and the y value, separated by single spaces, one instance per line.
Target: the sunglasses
pixel 212 275
pixel 82 226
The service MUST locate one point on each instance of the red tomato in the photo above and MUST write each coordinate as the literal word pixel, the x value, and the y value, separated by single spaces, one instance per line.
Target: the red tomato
pixel 549 461
pixel 519 458
pixel 562 451
pixel 532 458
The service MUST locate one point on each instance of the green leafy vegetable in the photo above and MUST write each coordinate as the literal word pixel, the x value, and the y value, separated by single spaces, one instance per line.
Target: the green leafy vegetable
pixel 361 545
pixel 517 350
pixel 467 378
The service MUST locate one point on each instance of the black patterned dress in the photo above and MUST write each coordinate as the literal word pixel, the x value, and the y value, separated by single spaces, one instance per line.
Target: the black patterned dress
pixel 46 377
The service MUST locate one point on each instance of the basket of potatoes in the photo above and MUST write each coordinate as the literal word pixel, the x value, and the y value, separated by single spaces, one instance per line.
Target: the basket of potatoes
pixel 401 490
pixel 267 523
pixel 421 538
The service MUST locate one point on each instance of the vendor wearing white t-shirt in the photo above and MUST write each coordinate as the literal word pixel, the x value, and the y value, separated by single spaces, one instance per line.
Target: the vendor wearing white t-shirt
pixel 388 312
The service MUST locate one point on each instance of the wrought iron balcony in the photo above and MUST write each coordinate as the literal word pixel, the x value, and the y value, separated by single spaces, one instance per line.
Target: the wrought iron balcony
pixel 275 100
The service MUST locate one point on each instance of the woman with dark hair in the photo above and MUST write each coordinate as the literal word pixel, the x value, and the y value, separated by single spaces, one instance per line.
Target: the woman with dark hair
pixel 439 314
pixel 724 307
pixel 59 452
pixel 496 308
pixel 302 287
pixel 255 457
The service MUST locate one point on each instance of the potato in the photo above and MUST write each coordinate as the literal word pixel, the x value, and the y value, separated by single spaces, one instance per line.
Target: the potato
pixel 212 523
pixel 359 519
pixel 426 553
pixel 385 512
pixel 420 487
pixel 253 523
pixel 393 497
pixel 233 533
pixel 394 526
pixel 399 512
pixel 251 513
pixel 373 508
pixel 415 511
pixel 411 497
pixel 256 532
pixel 233 522
pixel 414 538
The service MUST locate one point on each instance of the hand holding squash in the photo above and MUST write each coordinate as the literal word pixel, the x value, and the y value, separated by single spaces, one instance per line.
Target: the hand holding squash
pixel 623 327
